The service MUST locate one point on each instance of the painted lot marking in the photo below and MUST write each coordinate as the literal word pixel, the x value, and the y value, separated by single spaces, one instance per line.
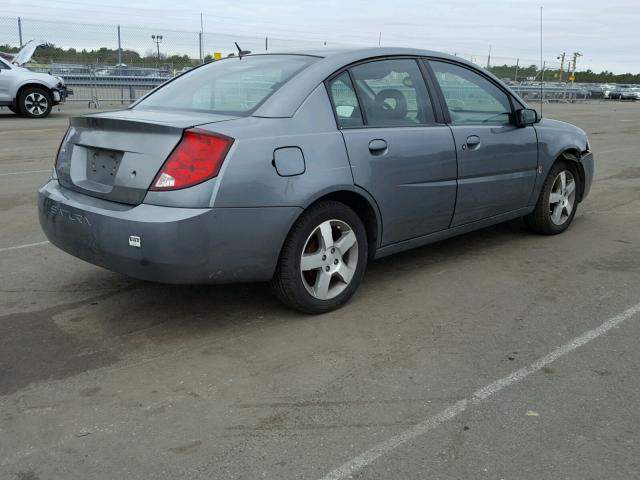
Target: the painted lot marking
pixel 27 245
pixel 371 455
pixel 25 172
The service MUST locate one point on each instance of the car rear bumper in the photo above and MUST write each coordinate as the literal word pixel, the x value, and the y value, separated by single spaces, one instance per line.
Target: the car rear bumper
pixel 176 245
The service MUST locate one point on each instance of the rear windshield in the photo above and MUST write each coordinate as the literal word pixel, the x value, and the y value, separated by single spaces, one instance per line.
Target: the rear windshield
pixel 232 86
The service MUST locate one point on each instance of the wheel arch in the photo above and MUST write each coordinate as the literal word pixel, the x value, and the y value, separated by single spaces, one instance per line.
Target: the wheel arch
pixel 572 155
pixel 361 202
pixel 32 84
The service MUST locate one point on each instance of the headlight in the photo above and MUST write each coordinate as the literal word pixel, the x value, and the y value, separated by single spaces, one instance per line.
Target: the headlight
pixel 60 79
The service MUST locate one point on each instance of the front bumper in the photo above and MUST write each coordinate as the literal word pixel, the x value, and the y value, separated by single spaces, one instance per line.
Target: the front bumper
pixel 176 245
pixel 586 159
pixel 61 93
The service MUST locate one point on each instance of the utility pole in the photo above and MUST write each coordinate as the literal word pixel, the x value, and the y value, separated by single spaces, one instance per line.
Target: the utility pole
pixel 201 39
pixel 489 59
pixel 561 58
pixel 266 43
pixel 119 49
pixel 515 78
pixel 575 59
pixel 157 39
pixel 20 30
pixel 380 39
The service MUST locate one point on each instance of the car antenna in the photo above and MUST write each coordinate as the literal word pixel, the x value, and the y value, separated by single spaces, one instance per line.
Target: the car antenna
pixel 241 52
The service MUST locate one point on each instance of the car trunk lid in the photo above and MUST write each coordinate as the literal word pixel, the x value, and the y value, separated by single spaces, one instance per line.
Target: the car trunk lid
pixel 116 155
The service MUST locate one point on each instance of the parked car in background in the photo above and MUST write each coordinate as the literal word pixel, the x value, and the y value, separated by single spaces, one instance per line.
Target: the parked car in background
pixel 606 91
pixel 616 93
pixel 631 93
pixel 28 93
pixel 595 91
pixel 301 168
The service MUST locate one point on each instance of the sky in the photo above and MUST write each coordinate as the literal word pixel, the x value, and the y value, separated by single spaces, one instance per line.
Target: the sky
pixel 604 32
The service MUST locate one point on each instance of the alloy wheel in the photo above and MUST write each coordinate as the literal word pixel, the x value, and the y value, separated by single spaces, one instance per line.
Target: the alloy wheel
pixel 329 259
pixel 562 197
pixel 36 104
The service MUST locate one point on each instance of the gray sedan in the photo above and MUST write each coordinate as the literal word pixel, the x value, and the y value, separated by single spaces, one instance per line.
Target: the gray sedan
pixel 301 168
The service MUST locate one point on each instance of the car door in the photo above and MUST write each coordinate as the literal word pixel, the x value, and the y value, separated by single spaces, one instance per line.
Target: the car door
pixel 497 161
pixel 397 151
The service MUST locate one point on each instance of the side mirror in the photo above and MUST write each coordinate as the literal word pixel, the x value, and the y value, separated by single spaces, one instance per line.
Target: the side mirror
pixel 526 116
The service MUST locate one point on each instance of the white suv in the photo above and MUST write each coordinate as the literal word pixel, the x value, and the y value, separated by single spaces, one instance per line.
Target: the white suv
pixel 28 93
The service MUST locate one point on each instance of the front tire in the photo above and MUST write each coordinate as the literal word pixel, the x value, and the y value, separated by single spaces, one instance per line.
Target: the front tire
pixel 323 259
pixel 558 201
pixel 35 102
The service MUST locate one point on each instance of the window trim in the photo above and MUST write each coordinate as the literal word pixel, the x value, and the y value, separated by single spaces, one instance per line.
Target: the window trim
pixel 437 112
pixel 334 110
pixel 512 101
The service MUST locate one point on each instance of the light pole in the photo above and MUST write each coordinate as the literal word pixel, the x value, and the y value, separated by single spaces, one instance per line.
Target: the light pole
pixel 157 39
pixel 561 58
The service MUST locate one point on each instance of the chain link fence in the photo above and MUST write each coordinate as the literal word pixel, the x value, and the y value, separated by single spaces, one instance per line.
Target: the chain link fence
pixel 119 64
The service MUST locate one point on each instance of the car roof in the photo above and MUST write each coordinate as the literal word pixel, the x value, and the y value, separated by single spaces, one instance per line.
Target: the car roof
pixel 286 100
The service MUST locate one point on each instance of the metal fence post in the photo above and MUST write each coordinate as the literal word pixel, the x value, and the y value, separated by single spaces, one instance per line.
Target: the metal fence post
pixel 20 30
pixel 120 65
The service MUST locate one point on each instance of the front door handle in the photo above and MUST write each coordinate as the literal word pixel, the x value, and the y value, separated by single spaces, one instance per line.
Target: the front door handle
pixel 377 146
pixel 473 142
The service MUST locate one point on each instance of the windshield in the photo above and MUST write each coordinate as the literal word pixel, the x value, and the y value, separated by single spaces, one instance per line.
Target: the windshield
pixel 232 86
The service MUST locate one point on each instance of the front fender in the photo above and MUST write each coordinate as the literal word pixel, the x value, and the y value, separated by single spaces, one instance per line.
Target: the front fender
pixel 48 86
pixel 554 139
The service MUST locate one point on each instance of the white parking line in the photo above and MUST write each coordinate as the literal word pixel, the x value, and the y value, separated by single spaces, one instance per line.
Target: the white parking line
pixel 371 455
pixel 27 245
pixel 25 172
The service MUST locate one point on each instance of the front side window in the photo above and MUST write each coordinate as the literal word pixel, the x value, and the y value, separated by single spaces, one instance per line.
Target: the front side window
pixel 231 86
pixel 345 101
pixel 471 98
pixel 393 93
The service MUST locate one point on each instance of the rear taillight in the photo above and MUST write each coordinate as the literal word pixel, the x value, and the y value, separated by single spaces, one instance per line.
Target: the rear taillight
pixel 62 148
pixel 198 157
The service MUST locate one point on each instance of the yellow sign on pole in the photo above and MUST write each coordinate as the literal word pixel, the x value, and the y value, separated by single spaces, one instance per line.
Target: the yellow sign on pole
pixel 572 78
pixel 217 55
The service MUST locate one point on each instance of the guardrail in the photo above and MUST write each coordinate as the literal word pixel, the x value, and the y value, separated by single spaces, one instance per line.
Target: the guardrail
pixel 95 84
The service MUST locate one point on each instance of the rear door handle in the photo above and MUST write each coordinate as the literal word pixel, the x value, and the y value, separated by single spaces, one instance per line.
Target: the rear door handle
pixel 377 146
pixel 473 142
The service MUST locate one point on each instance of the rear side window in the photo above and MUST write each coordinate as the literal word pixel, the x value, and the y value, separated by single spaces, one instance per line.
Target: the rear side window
pixel 471 98
pixel 393 93
pixel 231 86
pixel 345 101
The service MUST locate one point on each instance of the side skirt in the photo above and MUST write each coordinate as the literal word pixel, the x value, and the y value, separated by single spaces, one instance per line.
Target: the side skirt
pixel 451 232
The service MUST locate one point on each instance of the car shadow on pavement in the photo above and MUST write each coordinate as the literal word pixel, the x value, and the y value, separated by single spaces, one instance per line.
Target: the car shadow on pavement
pixel 120 317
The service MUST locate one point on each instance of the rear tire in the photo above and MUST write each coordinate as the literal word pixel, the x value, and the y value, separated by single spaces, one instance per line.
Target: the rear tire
pixel 558 201
pixel 35 102
pixel 323 259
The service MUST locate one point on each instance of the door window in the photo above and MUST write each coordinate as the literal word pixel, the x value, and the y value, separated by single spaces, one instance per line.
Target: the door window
pixel 393 93
pixel 345 101
pixel 471 98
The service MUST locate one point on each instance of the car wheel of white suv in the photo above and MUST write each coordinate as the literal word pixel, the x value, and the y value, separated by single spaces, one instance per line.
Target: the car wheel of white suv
pixel 35 102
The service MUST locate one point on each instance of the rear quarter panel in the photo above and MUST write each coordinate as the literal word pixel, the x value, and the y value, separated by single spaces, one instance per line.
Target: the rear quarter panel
pixel 248 177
